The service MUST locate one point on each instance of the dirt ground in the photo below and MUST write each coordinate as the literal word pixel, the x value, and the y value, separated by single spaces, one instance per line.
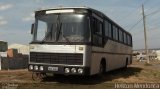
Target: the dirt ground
pixel 138 72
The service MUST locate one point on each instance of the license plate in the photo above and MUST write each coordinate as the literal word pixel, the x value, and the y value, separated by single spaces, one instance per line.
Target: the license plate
pixel 53 68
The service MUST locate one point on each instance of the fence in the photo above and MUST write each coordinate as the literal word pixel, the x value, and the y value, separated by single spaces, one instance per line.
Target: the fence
pixel 14 63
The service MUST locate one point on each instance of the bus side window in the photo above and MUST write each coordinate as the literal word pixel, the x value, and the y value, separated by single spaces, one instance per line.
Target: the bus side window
pixel 115 32
pixel 106 28
pixel 94 25
pixel 120 36
pixel 110 30
pixel 129 39
pixel 125 39
pixel 97 27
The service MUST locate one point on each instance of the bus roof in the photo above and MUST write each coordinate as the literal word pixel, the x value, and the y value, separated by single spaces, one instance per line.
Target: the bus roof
pixel 99 13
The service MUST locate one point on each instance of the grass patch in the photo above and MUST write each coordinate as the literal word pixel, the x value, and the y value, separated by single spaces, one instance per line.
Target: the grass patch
pixel 147 64
pixel 138 72
pixel 156 74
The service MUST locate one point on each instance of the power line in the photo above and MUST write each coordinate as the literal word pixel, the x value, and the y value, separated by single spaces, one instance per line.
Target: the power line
pixel 153 21
pixel 135 24
pixel 147 15
pixel 153 6
pixel 144 2
pixel 151 38
pixel 137 32
pixel 155 27
pixel 153 12
pixel 129 14
pixel 151 30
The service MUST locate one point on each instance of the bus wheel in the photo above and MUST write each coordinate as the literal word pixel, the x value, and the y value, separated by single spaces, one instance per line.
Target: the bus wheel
pixel 37 76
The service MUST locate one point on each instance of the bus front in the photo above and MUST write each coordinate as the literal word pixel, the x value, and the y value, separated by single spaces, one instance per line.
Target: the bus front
pixel 60 44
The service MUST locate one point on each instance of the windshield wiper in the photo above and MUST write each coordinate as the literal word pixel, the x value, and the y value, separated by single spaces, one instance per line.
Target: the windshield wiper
pixel 60 32
pixel 47 35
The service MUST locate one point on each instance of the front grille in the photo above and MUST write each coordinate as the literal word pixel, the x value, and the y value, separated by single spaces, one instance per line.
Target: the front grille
pixel 57 58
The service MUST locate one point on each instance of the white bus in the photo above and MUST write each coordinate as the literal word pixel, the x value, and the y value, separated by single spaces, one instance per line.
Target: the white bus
pixel 77 41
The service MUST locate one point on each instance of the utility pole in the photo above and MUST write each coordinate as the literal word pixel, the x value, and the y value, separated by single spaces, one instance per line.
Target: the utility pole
pixel 145 34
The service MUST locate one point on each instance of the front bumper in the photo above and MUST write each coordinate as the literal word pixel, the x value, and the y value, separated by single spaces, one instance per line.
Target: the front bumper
pixel 59 69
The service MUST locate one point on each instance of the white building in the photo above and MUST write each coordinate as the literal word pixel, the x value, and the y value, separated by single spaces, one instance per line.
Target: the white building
pixel 0 62
pixel 158 54
pixel 141 56
pixel 2 55
pixel 24 49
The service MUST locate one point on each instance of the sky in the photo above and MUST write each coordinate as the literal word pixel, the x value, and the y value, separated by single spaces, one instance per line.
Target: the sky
pixel 16 17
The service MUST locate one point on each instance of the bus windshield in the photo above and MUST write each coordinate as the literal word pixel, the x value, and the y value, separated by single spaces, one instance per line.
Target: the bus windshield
pixel 62 28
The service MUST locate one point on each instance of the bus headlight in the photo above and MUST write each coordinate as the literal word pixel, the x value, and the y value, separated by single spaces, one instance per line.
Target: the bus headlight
pixel 73 70
pixel 80 70
pixel 41 68
pixel 30 67
pixel 67 70
pixel 35 67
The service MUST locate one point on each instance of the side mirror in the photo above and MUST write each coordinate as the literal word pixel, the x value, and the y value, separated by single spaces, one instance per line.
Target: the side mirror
pixel 32 28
